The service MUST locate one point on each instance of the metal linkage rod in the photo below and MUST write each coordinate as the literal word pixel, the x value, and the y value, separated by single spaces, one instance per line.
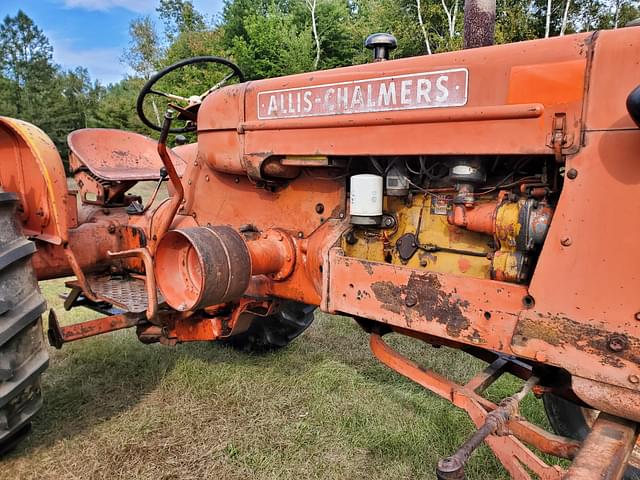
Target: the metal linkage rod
pixel 452 468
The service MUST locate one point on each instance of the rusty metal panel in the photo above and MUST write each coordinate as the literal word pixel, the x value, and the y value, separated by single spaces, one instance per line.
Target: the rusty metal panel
pixel 586 279
pixel 605 452
pixel 467 310
pixel 494 315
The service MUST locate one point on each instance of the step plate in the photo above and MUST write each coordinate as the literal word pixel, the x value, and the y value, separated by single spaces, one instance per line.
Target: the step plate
pixel 128 294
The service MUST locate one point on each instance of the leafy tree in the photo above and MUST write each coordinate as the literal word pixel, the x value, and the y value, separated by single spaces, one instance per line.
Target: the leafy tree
pixel 116 106
pixel 626 12
pixel 180 16
pixel 273 45
pixel 33 88
pixel 514 22
pixel 26 61
pixel 145 51
pixel 236 12
pixel 339 43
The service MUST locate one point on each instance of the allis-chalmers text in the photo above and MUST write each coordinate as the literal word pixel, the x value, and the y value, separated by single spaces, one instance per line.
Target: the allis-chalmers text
pixel 445 88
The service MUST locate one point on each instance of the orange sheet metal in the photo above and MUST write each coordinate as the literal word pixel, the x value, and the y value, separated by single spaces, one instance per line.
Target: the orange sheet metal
pixel 31 167
pixel 530 82
pixel 477 312
pixel 236 201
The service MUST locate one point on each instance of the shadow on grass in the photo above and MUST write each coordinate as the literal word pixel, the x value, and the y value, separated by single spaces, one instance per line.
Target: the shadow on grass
pixel 329 373
pixel 88 384
pixel 94 380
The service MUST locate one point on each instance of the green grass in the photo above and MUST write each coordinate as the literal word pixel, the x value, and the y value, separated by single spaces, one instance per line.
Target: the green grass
pixel 322 408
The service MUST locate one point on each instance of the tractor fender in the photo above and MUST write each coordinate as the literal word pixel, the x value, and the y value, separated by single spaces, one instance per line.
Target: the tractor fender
pixel 30 166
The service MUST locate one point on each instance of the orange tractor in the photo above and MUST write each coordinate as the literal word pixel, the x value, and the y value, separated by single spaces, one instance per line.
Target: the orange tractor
pixel 484 200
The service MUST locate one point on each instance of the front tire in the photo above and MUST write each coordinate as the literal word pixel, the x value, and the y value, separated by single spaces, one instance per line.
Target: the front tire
pixel 274 331
pixel 23 354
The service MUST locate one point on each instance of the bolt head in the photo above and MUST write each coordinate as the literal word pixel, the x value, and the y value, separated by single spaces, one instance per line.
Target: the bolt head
pixel 566 241
pixel 411 300
pixel 541 357
pixel 572 173
pixel 617 343
pixel 634 379
pixel 637 316
pixel 450 467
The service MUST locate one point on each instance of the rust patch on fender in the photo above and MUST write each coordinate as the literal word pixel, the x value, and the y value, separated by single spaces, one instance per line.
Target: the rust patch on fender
pixel 557 331
pixel 423 296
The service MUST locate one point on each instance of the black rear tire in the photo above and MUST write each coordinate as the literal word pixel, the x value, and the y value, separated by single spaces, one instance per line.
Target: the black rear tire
pixel 570 420
pixel 23 354
pixel 274 331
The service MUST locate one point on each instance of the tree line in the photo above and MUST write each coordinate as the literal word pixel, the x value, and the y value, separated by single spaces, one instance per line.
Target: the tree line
pixel 266 38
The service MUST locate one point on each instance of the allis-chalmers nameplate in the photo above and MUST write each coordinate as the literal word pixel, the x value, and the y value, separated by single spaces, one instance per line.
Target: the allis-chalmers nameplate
pixel 444 88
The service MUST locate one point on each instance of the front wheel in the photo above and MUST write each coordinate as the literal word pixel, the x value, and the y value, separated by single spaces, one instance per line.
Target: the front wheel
pixel 274 331
pixel 572 421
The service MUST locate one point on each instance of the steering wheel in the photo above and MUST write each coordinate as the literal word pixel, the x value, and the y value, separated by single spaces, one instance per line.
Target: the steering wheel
pixel 189 111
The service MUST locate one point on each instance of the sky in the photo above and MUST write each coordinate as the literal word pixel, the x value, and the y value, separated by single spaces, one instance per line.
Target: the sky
pixel 92 33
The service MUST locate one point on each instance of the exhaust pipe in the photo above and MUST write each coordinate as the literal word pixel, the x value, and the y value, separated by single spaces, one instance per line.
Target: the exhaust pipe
pixel 479 23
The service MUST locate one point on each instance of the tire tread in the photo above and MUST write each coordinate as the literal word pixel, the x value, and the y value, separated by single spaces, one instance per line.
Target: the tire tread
pixel 23 354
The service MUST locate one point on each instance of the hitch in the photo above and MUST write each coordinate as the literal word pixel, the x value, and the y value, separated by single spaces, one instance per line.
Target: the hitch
pixel 58 335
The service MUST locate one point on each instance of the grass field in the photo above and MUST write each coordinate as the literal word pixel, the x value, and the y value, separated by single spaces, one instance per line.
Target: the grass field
pixel 322 408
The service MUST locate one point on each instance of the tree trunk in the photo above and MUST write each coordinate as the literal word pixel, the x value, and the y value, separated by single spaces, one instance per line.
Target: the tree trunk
pixel 479 23
pixel 547 29
pixel 451 14
pixel 616 15
pixel 565 15
pixel 424 30
pixel 314 27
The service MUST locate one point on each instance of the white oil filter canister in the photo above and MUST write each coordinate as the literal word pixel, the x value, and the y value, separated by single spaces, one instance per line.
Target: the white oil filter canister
pixel 366 199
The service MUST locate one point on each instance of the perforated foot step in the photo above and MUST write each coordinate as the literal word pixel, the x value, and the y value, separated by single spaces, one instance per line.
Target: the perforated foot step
pixel 126 293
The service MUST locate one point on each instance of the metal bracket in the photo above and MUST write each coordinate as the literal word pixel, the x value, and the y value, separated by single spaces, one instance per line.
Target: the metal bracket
pixel 559 140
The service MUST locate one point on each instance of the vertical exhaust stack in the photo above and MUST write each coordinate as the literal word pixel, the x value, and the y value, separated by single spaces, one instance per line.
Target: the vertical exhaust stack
pixel 479 23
